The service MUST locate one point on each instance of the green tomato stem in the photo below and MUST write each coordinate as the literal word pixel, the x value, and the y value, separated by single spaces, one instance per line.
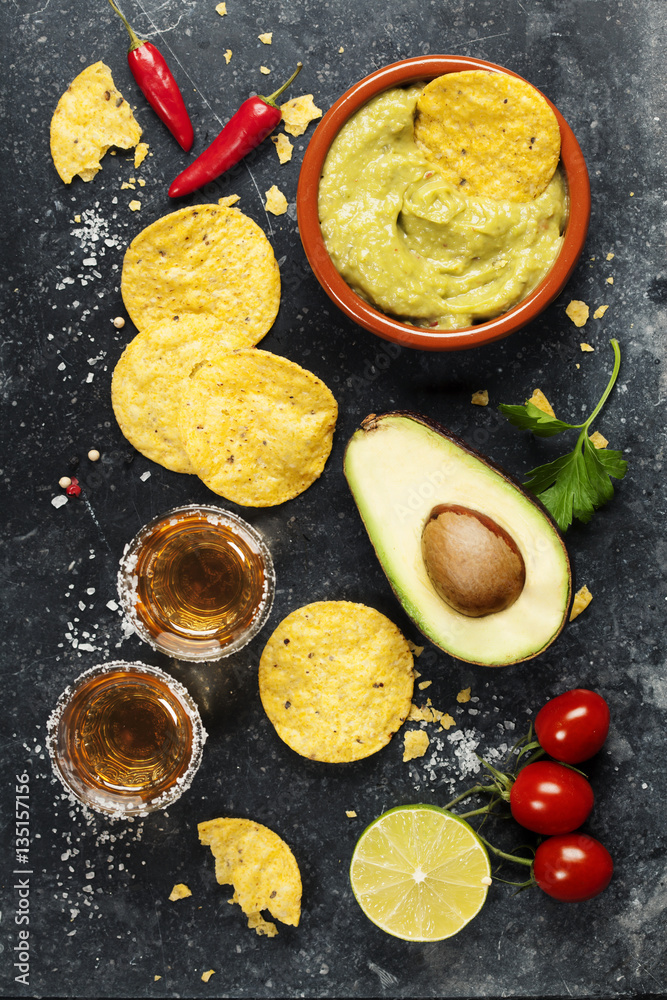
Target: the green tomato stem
pixel 471 791
pixel 503 854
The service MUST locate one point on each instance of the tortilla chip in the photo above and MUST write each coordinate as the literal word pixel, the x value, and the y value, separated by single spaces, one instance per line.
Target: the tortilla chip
pixel 336 681
pixel 415 743
pixel 447 721
pixel 284 147
pixel 228 55
pixel 260 866
pixel 207 975
pixel 265 70
pixel 598 440
pixel 582 599
pixel 276 202
pixel 586 348
pixel 266 37
pixel 578 312
pixel 299 113
pixel 148 383
pixel 206 260
pixel 539 400
pixel 480 398
pixel 221 9
pixel 491 132
pixel 258 428
pixel 180 891
pixel 90 118
pixel 463 696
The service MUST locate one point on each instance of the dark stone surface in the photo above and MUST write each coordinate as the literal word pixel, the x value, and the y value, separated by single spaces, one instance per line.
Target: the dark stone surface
pixel 100 920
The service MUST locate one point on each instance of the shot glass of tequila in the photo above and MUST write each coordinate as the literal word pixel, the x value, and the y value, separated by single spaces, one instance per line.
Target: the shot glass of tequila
pixel 197 583
pixel 125 738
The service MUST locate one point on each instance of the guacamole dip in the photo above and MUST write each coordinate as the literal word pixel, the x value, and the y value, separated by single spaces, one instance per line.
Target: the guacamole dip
pixel 413 245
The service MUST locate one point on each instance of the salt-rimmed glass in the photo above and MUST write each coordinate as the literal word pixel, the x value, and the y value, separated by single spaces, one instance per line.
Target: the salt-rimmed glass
pixel 197 582
pixel 125 738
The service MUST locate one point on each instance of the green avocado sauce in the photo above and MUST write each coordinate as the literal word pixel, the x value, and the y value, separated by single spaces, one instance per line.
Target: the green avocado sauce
pixel 416 247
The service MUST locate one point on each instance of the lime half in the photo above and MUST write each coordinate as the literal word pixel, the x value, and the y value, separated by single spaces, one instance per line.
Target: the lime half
pixel 420 873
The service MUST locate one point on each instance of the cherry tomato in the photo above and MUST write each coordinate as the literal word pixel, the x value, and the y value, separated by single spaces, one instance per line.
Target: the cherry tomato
pixel 550 798
pixel 572 867
pixel 573 726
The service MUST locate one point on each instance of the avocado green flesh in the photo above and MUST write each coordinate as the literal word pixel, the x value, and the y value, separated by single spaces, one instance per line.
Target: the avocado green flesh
pixel 398 469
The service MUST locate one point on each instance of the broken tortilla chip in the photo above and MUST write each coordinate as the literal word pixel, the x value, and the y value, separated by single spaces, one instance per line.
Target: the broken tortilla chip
pixel 415 743
pixel 299 113
pixel 276 202
pixel 582 599
pixel 539 400
pixel 578 312
pixel 90 118
pixel 260 866
pixel 284 147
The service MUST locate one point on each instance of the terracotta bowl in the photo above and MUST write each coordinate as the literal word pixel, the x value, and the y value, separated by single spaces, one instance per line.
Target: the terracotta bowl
pixel 400 74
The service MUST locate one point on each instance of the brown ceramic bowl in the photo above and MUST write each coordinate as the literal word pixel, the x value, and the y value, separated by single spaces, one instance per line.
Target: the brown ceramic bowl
pixel 396 75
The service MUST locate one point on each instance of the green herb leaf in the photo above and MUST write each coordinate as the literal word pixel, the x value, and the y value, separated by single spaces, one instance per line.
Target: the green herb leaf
pixel 576 484
pixel 531 418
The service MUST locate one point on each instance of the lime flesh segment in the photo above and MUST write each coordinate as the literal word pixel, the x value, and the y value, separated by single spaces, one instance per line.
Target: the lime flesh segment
pixel 420 873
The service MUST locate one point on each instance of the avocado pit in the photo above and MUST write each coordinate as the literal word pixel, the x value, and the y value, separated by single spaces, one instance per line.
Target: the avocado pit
pixel 473 563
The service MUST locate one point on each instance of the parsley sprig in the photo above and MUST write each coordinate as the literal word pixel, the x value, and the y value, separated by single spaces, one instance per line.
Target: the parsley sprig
pixel 576 484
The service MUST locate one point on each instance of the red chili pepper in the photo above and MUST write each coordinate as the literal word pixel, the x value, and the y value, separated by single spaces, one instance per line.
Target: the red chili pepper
pixel 255 119
pixel 157 84
pixel 73 490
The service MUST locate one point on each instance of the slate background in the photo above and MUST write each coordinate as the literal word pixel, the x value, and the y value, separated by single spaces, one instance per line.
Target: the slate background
pixel 112 933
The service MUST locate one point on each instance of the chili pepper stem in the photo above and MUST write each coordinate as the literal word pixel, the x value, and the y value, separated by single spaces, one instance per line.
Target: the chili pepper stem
pixel 135 42
pixel 271 99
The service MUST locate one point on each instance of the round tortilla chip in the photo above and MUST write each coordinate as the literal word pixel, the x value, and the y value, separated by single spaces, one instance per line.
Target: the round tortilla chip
pixel 493 133
pixel 207 260
pixel 148 381
pixel 260 866
pixel 258 428
pixel 336 680
pixel 90 118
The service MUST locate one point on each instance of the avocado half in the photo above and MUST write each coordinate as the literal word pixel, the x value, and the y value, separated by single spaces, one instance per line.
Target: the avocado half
pixel 399 466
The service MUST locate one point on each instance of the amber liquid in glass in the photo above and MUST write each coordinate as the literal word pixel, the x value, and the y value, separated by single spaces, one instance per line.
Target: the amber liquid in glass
pixel 198 580
pixel 126 734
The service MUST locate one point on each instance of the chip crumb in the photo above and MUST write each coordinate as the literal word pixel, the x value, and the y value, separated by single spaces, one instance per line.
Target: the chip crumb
pixel 598 440
pixel 480 398
pixel 298 113
pixel 126 185
pixel 155 978
pixel 180 891
pixel 140 153
pixel 229 200
pixel 447 721
pixel 284 147
pixel 141 182
pixel 276 202
pixel 424 684
pixel 416 743
pixel 539 400
pixel 417 714
pixel 610 256
pixel 265 70
pixel 228 55
pixel 599 312
pixel 221 9
pixel 341 49
pixel 586 347
pixel 350 813
pixel 578 312
pixel 77 219
pixel 463 696
pixel 134 205
pixel 610 281
pixel 205 976
pixel 266 38
pixel 582 599
pixel 416 651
